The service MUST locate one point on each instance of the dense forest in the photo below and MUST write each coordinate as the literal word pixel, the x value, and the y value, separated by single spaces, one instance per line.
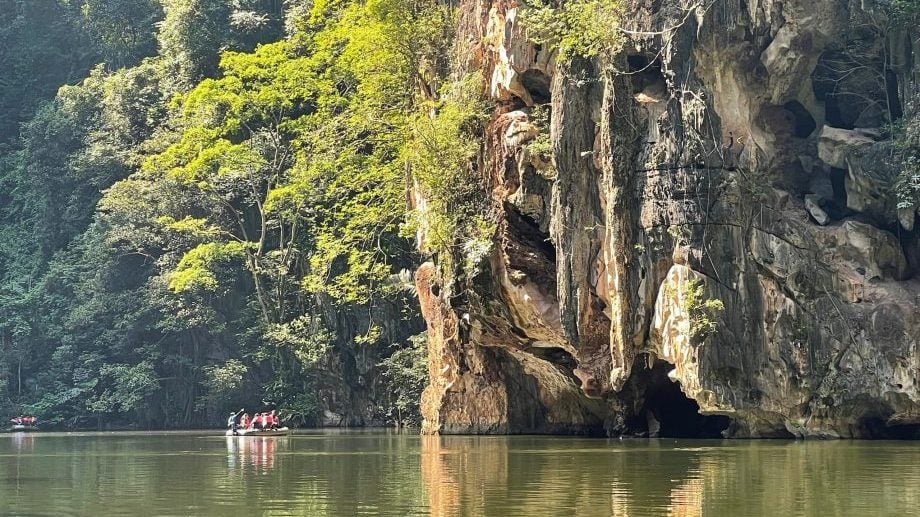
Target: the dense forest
pixel 203 206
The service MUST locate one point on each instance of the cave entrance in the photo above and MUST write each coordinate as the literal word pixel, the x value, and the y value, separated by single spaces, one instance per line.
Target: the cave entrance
pixel 538 85
pixel 837 207
pixel 803 123
pixel 667 413
pixel 878 427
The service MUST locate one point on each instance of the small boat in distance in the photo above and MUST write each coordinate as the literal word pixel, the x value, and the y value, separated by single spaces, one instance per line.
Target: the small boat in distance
pixel 262 424
pixel 281 431
pixel 23 423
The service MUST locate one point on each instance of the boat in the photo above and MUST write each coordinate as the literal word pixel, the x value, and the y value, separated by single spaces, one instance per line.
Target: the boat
pixel 23 424
pixel 19 428
pixel 281 431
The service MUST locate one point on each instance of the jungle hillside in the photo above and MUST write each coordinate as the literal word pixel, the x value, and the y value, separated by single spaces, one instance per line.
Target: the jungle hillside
pixel 203 207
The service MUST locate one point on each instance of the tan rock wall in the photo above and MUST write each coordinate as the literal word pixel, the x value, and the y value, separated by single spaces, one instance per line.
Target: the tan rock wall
pixel 687 157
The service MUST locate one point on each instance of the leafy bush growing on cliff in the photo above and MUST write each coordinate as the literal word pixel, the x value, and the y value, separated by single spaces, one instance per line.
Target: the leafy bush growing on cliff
pixel 904 12
pixel 406 373
pixel 576 27
pixel 906 139
pixel 703 311
pixel 541 145
pixel 440 154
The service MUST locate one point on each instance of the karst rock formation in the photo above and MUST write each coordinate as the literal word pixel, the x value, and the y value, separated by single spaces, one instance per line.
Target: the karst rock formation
pixel 708 249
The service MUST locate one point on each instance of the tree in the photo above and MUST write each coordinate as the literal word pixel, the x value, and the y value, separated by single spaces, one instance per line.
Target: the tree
pixel 406 373
pixel 42 47
pixel 125 29
pixel 189 225
pixel 194 32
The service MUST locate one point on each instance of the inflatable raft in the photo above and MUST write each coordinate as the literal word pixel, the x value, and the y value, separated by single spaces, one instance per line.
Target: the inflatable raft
pixel 282 431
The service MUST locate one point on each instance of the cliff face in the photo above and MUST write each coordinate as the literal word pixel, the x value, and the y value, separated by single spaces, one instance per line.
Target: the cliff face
pixel 708 248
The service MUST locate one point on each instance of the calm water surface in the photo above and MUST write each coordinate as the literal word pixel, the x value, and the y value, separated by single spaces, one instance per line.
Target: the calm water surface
pixel 383 473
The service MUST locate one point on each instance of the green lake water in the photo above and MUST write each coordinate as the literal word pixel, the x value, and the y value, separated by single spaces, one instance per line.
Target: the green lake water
pixel 383 473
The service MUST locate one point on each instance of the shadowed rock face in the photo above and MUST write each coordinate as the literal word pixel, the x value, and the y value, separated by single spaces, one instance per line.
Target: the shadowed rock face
pixel 679 174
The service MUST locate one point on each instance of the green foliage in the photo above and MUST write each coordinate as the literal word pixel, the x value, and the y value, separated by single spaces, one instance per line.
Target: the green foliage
pixel 130 387
pixel 439 152
pixel 224 384
pixel 194 32
pixel 305 337
pixel 201 266
pixel 406 374
pixel 576 27
pixel 905 12
pixel 350 176
pixel 155 220
pixel 125 29
pixel 541 145
pixel 192 35
pixel 42 46
pixel 703 311
pixel 906 140
pixel 226 378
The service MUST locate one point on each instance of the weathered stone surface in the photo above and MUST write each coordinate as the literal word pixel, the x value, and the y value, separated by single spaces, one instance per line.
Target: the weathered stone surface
pixel 906 217
pixel 812 204
pixel 698 179
pixel 868 248
pixel 869 181
pixel 837 146
pixel 520 69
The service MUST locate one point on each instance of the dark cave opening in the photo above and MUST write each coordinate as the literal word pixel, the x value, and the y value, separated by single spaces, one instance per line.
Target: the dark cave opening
pixel 855 86
pixel 803 123
pixel 910 246
pixel 837 207
pixel 667 413
pixel 538 85
pixel 877 427
pixel 637 62
pixel 894 100
pixel 528 230
pixel 557 356
pixel 648 82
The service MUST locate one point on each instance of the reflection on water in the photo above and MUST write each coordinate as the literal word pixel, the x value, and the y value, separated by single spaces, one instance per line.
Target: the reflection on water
pixel 253 452
pixel 23 442
pixel 557 476
pixel 390 474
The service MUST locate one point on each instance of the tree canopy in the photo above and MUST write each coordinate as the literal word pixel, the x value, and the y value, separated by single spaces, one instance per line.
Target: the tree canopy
pixel 207 211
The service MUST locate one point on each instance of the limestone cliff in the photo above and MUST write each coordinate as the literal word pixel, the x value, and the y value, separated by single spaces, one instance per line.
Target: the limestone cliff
pixel 733 151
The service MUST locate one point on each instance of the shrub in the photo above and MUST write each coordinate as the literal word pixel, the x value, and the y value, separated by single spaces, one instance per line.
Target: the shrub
pixel 577 27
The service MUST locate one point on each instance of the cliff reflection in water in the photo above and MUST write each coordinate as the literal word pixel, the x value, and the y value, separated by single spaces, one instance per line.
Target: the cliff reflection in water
pixel 535 476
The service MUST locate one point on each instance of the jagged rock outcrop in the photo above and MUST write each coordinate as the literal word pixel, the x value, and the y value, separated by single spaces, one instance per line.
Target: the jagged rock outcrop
pixel 712 159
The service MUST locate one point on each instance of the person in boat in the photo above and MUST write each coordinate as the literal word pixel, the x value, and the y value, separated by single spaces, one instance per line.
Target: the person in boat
pixel 275 421
pixel 258 421
pixel 233 421
pixel 245 423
